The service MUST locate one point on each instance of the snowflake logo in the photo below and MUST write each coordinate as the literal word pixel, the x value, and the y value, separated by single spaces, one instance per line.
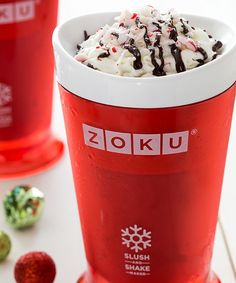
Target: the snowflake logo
pixel 136 238
pixel 5 94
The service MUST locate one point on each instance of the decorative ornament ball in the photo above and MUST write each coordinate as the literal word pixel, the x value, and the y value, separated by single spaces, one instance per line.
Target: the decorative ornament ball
pixel 23 206
pixel 5 245
pixel 35 267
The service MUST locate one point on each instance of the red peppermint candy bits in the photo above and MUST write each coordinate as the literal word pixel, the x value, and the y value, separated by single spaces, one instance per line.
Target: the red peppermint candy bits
pixel 134 16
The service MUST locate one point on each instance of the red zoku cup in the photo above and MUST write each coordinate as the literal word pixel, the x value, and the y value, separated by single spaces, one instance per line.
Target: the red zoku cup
pixel 26 83
pixel 148 157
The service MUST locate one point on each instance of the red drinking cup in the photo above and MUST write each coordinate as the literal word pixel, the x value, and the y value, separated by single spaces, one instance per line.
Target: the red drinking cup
pixel 26 84
pixel 148 157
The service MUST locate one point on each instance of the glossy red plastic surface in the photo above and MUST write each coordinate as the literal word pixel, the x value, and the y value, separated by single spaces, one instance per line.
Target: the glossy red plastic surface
pixel 172 196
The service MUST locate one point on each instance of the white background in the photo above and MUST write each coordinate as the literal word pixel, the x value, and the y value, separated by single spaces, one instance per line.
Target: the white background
pixel 58 232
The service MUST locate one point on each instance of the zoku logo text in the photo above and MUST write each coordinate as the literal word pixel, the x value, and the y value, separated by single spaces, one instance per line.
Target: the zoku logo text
pixel 136 144
pixel 17 12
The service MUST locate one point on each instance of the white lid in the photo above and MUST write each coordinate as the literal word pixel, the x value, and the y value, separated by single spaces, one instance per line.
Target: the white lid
pixel 185 88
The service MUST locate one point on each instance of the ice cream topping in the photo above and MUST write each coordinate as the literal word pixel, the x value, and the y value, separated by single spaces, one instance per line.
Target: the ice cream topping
pixel 148 43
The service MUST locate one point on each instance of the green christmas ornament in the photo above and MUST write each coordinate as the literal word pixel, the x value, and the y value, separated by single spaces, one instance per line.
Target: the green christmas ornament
pixel 5 245
pixel 23 206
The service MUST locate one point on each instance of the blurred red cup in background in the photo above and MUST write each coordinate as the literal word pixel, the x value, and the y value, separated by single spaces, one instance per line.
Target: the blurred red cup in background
pixel 27 145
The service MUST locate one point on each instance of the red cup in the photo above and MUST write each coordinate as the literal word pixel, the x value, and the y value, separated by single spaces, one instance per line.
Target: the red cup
pixel 26 84
pixel 148 157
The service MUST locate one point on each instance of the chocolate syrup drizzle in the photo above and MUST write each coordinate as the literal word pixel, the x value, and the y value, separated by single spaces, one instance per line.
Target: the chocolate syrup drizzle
pixel 136 53
pixel 86 36
pixel 214 56
pixel 146 37
pixel 137 21
pixel 158 69
pixel 201 62
pixel 173 33
pixel 91 66
pixel 176 53
pixel 158 40
pixel 203 52
pixel 104 55
pixel 157 25
pixel 185 29
pixel 115 34
pixel 217 46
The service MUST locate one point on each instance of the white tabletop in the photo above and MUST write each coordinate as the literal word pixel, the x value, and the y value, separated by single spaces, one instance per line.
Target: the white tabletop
pixel 58 232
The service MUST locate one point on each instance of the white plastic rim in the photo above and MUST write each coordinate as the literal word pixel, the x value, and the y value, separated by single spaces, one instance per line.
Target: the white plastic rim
pixel 180 89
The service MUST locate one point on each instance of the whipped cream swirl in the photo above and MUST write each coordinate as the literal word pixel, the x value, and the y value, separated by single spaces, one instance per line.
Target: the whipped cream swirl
pixel 148 43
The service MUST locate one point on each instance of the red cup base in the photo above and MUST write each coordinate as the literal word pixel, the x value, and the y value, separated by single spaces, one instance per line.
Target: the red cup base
pixel 213 279
pixel 18 163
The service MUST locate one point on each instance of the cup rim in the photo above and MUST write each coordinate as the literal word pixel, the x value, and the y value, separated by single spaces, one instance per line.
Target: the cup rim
pixel 57 31
pixel 58 46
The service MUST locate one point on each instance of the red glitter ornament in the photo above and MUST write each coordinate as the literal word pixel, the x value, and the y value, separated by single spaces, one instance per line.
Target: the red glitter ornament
pixel 35 267
pixel 114 49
